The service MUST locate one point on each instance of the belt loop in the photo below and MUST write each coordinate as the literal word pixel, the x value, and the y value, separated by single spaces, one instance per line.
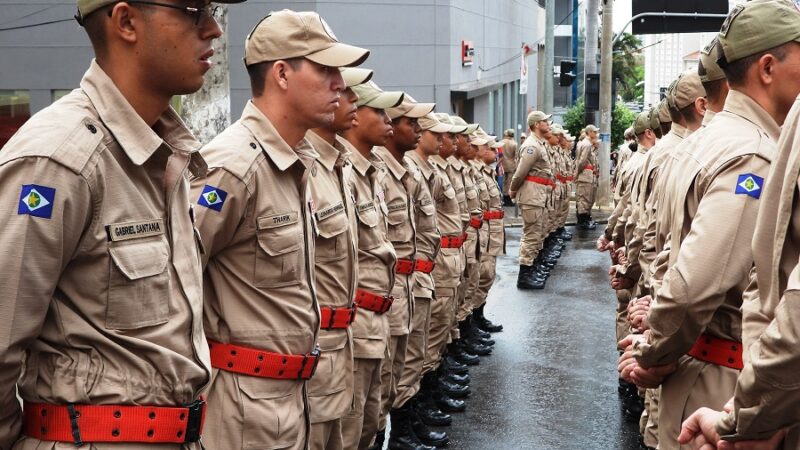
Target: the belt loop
pixel 73 420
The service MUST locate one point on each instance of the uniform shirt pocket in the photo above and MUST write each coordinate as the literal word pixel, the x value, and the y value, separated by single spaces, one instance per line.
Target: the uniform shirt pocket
pixel 278 262
pixel 138 283
pixel 369 235
pixel 331 225
pixel 399 227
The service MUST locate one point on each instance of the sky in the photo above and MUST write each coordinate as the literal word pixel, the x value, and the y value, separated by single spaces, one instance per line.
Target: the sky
pixel 622 14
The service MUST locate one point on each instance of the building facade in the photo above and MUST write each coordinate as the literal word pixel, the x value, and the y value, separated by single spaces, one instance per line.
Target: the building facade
pixel 416 46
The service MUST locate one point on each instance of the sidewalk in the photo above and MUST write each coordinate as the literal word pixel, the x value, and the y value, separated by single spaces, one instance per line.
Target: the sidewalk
pixel 514 218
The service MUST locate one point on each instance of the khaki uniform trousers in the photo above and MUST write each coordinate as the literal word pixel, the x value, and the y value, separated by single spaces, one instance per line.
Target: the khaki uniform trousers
pixel 416 350
pixel 487 277
pixel 327 435
pixel 443 315
pixel 533 233
pixel 360 424
pixel 247 412
pixel 648 426
pixel 564 212
pixel 474 274
pixel 623 327
pixel 391 370
pixel 694 385
pixel 585 197
pixel 465 289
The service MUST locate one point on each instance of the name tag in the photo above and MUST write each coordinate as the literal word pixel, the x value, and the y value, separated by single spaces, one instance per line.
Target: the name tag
pixel 277 220
pixel 329 211
pixel 134 230
pixel 366 206
pixel 398 206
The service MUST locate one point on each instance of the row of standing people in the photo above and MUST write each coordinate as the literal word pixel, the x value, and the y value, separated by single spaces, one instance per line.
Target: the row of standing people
pixel 316 270
pixel 699 241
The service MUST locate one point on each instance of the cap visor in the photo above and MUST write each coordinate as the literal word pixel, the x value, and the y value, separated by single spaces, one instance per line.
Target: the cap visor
pixel 386 100
pixel 471 128
pixel 478 141
pixel 439 128
pixel 339 55
pixel 457 129
pixel 420 110
pixel 353 76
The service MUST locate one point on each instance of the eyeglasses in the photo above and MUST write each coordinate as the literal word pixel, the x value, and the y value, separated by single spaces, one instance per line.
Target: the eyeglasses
pixel 200 14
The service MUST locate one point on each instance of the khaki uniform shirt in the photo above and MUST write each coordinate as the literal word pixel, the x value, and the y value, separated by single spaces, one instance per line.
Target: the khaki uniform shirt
pixel 259 285
pixel 473 210
pixel 586 155
pixel 330 391
pixel 495 227
pixel 428 236
pixel 454 167
pixel 449 266
pixel 483 195
pixel 509 159
pixel 718 186
pixel 376 256
pixel 766 394
pixel 623 154
pixel 534 161
pixel 101 276
pixel 400 194
pixel 617 220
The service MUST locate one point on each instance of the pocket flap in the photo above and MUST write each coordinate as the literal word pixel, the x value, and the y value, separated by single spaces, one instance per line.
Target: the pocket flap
pixel 367 213
pixel 140 258
pixel 333 225
pixel 332 341
pixel 263 388
pixel 279 234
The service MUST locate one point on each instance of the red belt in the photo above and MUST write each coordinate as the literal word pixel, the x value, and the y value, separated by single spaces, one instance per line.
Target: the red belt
pixel 562 178
pixel 570 178
pixel 114 423
pixel 336 318
pixel 424 266
pixel 378 304
pixel 259 363
pixel 493 215
pixel 721 352
pixel 404 266
pixel 588 167
pixel 453 241
pixel 544 181
pixel 475 222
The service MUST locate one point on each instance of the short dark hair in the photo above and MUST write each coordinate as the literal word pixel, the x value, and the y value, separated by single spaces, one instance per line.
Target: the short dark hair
pixel 94 24
pixel 675 114
pixel 715 89
pixel 736 72
pixel 258 73
pixel 689 113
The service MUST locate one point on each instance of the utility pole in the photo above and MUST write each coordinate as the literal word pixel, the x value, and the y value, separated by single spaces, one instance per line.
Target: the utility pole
pixel 604 155
pixel 549 54
pixel 208 111
pixel 590 48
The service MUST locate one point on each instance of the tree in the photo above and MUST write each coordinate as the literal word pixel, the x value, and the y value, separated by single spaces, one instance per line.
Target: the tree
pixel 628 67
pixel 621 119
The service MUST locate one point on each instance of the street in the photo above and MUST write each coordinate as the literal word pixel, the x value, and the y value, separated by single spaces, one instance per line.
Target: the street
pixel 551 381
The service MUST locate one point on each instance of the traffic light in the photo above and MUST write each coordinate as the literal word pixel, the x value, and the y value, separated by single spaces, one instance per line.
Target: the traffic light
pixel 567 76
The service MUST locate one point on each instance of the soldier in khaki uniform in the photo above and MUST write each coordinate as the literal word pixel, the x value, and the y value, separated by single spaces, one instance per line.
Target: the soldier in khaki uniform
pixel 331 391
pixel 402 188
pixel 534 182
pixel 509 162
pixel 695 320
pixel 585 174
pixel 102 302
pixel 376 257
pixel 258 220
pixel 564 179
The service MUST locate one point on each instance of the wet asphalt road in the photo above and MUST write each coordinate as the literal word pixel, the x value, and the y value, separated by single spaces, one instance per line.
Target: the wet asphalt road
pixel 551 381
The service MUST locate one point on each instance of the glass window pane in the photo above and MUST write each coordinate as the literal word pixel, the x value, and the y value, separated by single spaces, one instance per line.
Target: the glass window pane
pixel 15 109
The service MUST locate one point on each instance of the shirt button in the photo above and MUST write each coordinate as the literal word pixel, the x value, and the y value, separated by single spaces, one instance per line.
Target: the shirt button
pixel 253 145
pixel 92 128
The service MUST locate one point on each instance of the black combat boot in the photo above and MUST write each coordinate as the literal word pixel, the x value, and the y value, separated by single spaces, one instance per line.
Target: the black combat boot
pixel 426 408
pixel 425 434
pixel 527 279
pixel 583 222
pixel 484 323
pixel 452 366
pixel 564 234
pixel 461 356
pixel 447 404
pixel 401 436
pixel 379 438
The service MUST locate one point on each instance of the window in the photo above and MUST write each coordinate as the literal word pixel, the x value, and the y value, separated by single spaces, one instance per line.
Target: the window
pixel 15 109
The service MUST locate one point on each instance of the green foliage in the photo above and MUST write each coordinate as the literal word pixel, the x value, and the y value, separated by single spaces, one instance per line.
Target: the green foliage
pixel 621 119
pixel 629 67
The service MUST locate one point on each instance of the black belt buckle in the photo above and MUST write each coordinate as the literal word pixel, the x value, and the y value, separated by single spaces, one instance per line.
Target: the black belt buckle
pixel 315 354
pixel 195 420
pixel 387 303
pixel 353 310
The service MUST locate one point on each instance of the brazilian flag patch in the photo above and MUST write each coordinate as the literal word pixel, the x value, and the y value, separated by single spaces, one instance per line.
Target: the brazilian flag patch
pixel 749 184
pixel 36 200
pixel 212 198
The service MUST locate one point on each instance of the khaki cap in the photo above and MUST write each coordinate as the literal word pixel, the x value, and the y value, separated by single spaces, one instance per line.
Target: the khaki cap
pixel 86 7
pixel 663 112
pixel 369 94
pixel 670 96
pixel 477 139
pixel 429 122
pixel 708 57
pixel 471 127
pixel 642 123
pixel 410 108
pixel 288 34
pixel 687 89
pixel 557 129
pixel 495 144
pixel 509 132
pixel 591 127
pixel 353 76
pixel 537 116
pixel 655 121
pixel 757 26
pixel 445 118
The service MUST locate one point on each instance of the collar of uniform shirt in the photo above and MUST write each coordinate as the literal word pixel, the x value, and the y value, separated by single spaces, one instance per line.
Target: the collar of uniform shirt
pixel 424 166
pixel 743 106
pixel 273 144
pixel 438 161
pixel 455 162
pixel 328 154
pixel 137 139
pixel 362 165
pixel 397 169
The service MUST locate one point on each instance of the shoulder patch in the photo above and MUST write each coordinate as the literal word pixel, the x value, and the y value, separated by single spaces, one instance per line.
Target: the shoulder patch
pixel 530 150
pixel 749 184
pixel 212 198
pixel 36 200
